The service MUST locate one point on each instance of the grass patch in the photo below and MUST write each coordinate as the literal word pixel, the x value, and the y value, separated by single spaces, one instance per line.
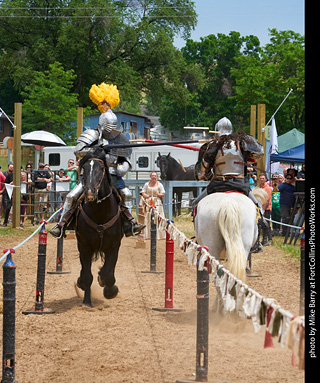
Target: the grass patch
pixel 18 232
pixel 184 224
pixel 292 250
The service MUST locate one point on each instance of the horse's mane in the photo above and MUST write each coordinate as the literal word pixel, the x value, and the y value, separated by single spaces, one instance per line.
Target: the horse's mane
pixel 226 139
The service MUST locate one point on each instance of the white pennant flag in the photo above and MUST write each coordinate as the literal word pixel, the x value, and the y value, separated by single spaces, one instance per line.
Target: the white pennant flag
pixel 274 167
pixel 9 189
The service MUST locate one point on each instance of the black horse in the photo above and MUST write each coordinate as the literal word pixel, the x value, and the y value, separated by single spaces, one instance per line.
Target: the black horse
pixel 98 225
pixel 171 170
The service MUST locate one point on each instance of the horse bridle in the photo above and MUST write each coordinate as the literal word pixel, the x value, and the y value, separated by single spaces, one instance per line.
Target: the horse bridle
pixel 104 173
pixel 100 228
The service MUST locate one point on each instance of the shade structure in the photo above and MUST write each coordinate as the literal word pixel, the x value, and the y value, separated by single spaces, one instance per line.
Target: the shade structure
pixel 296 154
pixel 42 138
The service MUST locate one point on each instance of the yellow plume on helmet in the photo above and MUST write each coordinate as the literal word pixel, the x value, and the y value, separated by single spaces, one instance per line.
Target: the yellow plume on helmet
pixel 104 92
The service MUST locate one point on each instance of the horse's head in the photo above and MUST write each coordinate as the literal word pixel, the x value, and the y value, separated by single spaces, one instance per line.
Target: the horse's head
pixel 164 165
pixel 95 175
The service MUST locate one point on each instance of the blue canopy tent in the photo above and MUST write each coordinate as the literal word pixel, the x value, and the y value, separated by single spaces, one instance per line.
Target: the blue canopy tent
pixel 296 155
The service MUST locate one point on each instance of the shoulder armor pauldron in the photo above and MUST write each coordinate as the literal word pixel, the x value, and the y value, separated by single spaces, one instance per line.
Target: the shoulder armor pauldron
pixel 88 137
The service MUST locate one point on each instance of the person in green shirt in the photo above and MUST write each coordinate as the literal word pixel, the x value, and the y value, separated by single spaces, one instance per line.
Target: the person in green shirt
pixel 72 172
pixel 275 212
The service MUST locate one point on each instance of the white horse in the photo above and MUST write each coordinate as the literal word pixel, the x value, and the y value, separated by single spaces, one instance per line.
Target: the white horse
pixel 227 221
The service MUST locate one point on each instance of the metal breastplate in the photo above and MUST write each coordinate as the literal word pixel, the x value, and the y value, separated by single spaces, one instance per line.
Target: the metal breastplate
pixel 229 161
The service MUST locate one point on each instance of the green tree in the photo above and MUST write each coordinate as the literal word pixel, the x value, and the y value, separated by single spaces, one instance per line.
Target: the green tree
pixel 126 42
pixel 267 78
pixel 207 73
pixel 49 103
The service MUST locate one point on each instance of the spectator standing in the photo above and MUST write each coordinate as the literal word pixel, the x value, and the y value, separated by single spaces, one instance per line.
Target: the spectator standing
pixel 24 199
pixel 29 181
pixel 275 212
pixel 2 179
pixel 153 191
pixel 266 229
pixel 72 172
pixel 287 199
pixel 49 189
pixel 7 199
pixel 301 174
pixel 252 177
pixel 10 169
pixel 61 177
pixel 293 172
pixel 41 179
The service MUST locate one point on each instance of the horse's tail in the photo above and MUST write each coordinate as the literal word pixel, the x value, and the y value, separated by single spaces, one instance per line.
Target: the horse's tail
pixel 229 221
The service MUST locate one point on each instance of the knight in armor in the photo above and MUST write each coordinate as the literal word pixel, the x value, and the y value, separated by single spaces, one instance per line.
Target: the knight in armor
pixel 223 161
pixel 106 97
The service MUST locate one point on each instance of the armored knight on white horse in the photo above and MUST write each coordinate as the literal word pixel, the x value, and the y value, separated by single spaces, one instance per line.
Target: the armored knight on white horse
pixel 225 218
pixel 107 132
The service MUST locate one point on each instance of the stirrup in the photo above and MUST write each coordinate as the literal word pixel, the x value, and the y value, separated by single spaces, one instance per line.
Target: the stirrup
pixel 54 231
pixel 135 230
pixel 256 248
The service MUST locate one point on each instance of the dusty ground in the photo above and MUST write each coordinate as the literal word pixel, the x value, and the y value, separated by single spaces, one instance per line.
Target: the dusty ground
pixel 124 340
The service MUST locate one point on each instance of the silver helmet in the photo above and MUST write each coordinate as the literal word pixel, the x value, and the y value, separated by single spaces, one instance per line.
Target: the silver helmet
pixel 108 125
pixel 224 126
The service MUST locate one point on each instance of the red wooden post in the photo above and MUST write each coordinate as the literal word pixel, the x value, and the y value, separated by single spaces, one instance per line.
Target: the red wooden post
pixel 41 272
pixel 168 293
pixel 169 272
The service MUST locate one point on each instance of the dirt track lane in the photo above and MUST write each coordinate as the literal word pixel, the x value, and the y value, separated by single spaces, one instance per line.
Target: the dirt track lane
pixel 124 340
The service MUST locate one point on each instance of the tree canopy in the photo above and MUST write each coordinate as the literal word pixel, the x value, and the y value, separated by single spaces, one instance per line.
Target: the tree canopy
pixel 52 52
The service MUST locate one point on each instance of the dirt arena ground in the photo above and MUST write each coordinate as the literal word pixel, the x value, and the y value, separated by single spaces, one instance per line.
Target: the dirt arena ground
pixel 124 340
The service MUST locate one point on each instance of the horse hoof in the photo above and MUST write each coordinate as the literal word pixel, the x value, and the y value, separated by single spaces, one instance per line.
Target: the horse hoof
pixel 110 292
pixel 89 305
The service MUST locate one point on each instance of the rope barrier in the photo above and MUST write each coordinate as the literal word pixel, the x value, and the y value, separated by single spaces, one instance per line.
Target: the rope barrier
pixel 30 236
pixel 267 219
pixel 237 295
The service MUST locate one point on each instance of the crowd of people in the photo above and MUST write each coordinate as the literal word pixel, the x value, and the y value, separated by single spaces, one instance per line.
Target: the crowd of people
pixel 281 189
pixel 36 190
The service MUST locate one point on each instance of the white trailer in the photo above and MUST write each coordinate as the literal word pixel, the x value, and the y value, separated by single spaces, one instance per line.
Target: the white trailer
pixel 57 156
pixel 143 159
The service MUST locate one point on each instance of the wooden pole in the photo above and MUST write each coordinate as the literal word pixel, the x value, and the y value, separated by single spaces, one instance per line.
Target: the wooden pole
pixel 141 243
pixel 79 121
pixel 253 120
pixel 261 136
pixel 16 195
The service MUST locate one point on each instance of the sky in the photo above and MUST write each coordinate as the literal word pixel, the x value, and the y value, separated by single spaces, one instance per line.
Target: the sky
pixel 248 17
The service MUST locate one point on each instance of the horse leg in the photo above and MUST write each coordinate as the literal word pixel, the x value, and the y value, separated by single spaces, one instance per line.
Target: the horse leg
pixel 106 276
pixel 84 282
